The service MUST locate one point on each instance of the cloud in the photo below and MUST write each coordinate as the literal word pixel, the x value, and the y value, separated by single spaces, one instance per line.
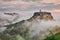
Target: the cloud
pixel 51 1
pixel 18 4
pixel 6 0
pixel 56 10
pixel 14 4
pixel 29 5
pixel 51 6
pixel 32 0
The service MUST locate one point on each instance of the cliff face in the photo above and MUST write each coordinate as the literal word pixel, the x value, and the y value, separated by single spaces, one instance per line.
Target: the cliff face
pixel 43 16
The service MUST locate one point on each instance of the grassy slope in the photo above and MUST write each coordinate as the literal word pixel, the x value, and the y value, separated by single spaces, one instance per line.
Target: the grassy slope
pixel 55 37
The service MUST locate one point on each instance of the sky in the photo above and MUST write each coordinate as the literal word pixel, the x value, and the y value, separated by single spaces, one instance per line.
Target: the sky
pixel 27 6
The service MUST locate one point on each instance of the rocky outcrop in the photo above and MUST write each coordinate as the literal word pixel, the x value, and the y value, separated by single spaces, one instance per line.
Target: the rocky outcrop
pixel 47 16
pixel 41 16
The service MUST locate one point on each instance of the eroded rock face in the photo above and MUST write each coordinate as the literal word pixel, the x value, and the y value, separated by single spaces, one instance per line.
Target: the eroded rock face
pixel 46 16
pixel 42 16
